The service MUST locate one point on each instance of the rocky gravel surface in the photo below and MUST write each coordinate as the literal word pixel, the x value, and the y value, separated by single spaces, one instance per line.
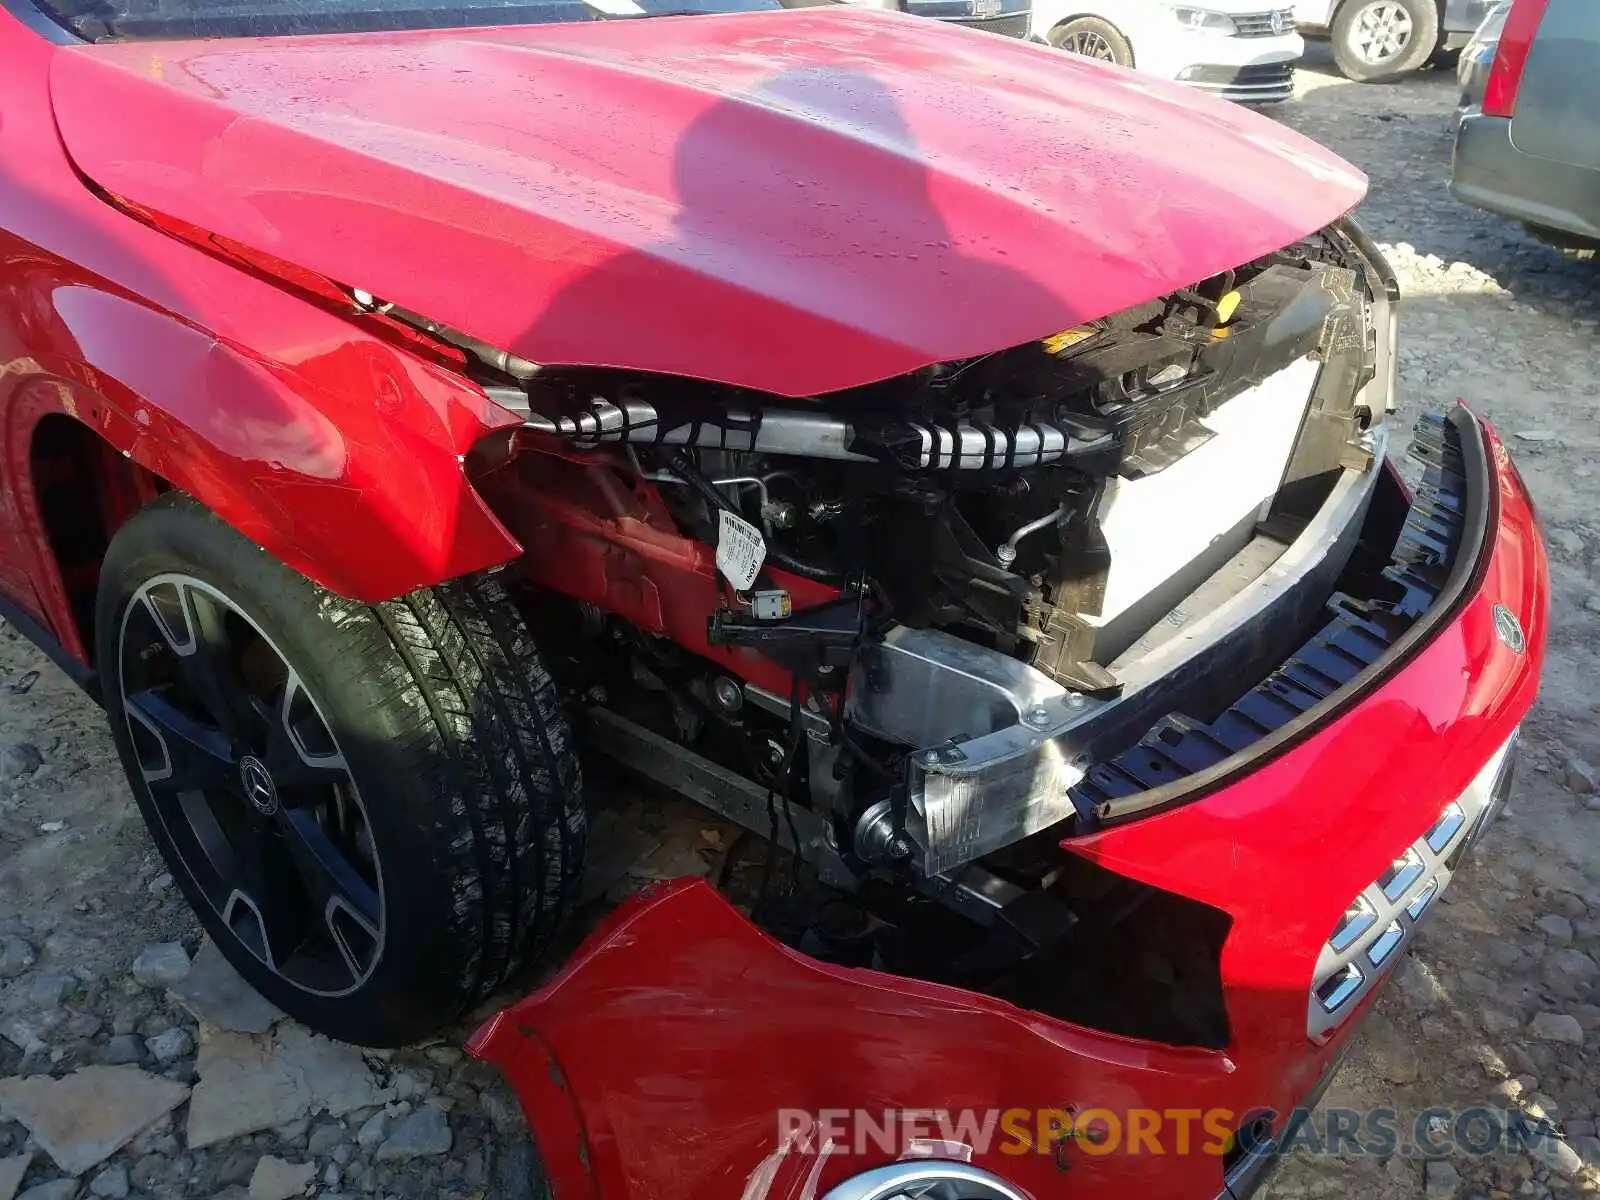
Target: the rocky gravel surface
pixel 134 1062
pixel 1499 1007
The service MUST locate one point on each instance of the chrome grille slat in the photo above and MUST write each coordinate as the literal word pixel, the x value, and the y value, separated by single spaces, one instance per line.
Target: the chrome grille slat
pixel 1253 91
pixel 1444 832
pixel 1419 905
pixel 1407 869
pixel 1358 918
pixel 1260 24
pixel 1380 920
pixel 1255 83
pixel 1336 991
pixel 1387 942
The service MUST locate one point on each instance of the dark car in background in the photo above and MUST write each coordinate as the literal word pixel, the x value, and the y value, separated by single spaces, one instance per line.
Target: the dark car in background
pixel 1008 17
pixel 1528 139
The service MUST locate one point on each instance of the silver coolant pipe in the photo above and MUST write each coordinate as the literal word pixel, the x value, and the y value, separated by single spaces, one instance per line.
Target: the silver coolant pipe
pixel 787 432
pixel 1006 552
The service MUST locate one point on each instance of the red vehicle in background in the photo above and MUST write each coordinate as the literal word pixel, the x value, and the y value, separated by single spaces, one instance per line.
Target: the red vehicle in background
pixel 962 466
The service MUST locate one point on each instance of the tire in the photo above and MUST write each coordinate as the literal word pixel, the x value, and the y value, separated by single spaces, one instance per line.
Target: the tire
pixel 375 810
pixel 1412 29
pixel 1090 37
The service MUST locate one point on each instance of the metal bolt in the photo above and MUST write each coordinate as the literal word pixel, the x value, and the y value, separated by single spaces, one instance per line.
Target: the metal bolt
pixel 1076 701
pixel 779 514
pixel 1039 716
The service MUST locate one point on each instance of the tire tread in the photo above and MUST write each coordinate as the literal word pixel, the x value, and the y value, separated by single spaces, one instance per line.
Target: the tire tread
pixel 452 682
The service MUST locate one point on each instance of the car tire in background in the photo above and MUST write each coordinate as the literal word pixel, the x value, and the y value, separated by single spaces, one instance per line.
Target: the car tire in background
pixel 1090 37
pixel 375 810
pixel 1380 41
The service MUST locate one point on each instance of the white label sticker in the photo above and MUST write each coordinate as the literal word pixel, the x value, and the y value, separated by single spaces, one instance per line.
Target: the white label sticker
pixel 740 551
pixel 617 8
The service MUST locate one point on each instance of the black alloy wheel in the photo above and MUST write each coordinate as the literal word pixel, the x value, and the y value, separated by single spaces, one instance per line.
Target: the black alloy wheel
pixel 1091 37
pixel 375 810
pixel 250 786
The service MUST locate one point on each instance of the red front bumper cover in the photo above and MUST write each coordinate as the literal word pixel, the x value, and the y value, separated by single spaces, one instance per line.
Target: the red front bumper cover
pixel 656 1065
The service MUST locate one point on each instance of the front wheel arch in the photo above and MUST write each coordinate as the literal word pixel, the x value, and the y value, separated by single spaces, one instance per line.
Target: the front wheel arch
pixel 83 491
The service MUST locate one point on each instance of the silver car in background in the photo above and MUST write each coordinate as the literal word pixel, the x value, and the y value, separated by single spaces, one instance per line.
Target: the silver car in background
pixel 1528 138
pixel 1380 41
pixel 1477 57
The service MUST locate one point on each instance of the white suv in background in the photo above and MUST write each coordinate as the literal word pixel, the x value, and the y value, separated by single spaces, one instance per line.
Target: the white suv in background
pixel 1242 50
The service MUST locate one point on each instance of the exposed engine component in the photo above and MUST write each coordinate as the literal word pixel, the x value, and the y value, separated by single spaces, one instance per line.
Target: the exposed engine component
pixel 934 578
pixel 810 434
pixel 1006 552
pixel 966 497
pixel 877 839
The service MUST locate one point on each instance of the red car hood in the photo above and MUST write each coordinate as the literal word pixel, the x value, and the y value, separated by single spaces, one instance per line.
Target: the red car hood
pixel 791 201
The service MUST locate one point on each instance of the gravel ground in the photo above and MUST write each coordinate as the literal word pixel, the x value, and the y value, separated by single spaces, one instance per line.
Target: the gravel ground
pixel 1497 1008
pixel 1505 323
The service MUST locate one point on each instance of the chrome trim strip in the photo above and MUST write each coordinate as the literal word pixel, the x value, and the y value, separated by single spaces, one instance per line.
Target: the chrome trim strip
pixel 1378 953
pixel 1419 902
pixel 1357 920
pixel 1444 832
pixel 1425 870
pixel 1340 987
pixel 1397 880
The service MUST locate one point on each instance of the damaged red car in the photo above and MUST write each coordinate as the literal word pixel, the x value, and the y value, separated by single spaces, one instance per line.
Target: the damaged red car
pixel 969 469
